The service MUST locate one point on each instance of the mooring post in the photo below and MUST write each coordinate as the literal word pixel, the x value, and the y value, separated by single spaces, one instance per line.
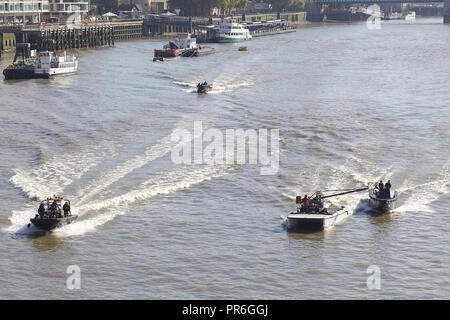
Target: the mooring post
pixel 447 11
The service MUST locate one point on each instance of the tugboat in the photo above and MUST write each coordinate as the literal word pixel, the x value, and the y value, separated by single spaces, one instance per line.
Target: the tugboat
pixel 312 215
pixel 49 214
pixel 204 87
pixel 381 199
pixel 48 64
pixel 175 48
pixel 23 63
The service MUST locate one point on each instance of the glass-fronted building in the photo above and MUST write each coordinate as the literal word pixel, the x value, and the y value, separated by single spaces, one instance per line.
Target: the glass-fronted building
pixel 35 11
pixel 22 11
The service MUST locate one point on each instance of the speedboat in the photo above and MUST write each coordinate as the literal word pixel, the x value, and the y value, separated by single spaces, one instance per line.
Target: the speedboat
pixel 311 213
pixel 381 200
pixel 49 215
pixel 314 216
pixel 322 220
pixel 204 87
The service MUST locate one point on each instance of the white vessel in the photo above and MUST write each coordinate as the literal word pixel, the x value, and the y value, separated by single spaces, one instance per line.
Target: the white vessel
pixel 318 221
pixel 410 15
pixel 231 31
pixel 48 64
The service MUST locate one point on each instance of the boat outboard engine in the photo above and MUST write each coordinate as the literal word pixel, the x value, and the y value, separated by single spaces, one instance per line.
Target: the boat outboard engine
pixel 298 199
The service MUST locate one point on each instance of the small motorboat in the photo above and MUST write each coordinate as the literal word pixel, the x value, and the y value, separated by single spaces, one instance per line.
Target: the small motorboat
pixel 243 49
pixel 50 216
pixel 312 215
pixel 381 200
pixel 204 87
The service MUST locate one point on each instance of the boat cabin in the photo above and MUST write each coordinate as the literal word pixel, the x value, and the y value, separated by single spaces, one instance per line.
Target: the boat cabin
pixel 185 41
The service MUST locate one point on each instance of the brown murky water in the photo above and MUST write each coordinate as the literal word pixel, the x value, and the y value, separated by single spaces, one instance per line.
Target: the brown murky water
pixel 352 105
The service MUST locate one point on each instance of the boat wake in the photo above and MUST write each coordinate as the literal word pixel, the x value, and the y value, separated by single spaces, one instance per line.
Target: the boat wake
pixel 54 178
pixel 55 174
pixel 226 86
pixel 420 197
pixel 160 149
pixel 414 198
pixel 165 183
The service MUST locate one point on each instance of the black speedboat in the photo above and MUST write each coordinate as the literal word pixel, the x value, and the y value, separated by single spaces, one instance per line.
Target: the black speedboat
pixel 382 201
pixel 49 215
pixel 204 87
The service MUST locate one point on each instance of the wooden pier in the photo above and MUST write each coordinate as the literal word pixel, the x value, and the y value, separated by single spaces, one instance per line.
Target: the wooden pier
pixel 59 37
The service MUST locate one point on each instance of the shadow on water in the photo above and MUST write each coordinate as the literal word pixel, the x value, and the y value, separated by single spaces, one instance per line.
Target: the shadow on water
pixel 47 242
pixel 40 239
pixel 310 234
pixel 29 232
pixel 303 233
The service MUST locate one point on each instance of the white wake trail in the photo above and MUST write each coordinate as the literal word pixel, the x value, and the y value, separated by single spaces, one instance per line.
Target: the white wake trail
pixel 164 183
pixel 160 149
pixel 56 173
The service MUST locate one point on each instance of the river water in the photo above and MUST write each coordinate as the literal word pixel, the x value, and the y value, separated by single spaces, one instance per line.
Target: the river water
pixel 352 105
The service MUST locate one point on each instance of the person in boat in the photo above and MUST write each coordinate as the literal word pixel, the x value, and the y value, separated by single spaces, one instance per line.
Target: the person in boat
pixel 53 207
pixel 387 190
pixel 66 209
pixel 41 210
pixel 317 202
pixel 55 210
pixel 305 201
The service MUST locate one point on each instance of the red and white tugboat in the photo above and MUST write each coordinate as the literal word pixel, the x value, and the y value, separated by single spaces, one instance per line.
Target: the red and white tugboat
pixel 175 48
pixel 52 213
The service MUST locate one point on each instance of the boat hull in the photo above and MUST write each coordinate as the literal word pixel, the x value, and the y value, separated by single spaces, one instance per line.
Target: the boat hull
pixel 49 224
pixel 229 40
pixel 52 74
pixel 315 221
pixel 169 53
pixel 204 89
pixel 15 74
pixel 382 205
pixel 198 52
